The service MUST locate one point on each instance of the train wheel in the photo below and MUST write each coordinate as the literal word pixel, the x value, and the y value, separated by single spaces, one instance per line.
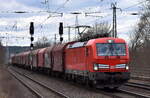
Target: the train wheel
pixel 87 82
pixel 90 83
pixel 31 67
pixel 115 88
pixel 66 77
pixel 75 78
pixel 49 72
pixel 94 84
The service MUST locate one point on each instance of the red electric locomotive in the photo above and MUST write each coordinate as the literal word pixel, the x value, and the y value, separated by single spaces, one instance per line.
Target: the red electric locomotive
pixel 102 62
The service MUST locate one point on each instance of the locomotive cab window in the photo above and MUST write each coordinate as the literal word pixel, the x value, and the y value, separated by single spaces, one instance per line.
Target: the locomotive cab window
pixel 111 49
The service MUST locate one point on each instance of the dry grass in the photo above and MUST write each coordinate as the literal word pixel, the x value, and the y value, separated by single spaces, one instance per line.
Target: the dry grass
pixel 11 88
pixel 3 95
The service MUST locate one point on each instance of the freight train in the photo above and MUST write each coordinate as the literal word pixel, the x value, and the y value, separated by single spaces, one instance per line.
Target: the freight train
pixel 101 62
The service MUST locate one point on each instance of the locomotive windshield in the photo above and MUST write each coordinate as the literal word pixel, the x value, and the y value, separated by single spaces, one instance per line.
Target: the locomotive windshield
pixel 111 49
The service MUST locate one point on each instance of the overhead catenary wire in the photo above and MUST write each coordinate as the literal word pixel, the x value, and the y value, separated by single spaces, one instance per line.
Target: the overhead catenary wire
pixel 64 5
pixel 42 11
pixel 134 5
pixel 123 9
pixel 56 11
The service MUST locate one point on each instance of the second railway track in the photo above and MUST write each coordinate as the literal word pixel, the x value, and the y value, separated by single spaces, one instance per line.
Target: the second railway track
pixel 38 88
pixel 138 89
pixel 138 85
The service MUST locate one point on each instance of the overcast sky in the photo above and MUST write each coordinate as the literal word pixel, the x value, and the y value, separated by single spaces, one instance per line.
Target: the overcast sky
pixel 15 25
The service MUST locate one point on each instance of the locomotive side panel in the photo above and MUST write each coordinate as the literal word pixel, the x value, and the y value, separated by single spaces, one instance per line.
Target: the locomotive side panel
pixel 76 61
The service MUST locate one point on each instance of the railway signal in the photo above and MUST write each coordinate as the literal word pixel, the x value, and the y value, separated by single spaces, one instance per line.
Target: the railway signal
pixel 31 28
pixel 61 39
pixel 31 45
pixel 60 28
pixel 61 31
pixel 32 38
pixel 31 33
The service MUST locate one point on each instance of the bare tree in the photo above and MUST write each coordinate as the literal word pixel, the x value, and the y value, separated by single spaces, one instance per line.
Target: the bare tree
pixel 98 30
pixel 42 42
pixel 141 35
pixel 140 44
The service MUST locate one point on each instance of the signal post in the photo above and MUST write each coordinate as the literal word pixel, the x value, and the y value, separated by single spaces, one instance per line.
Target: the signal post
pixel 31 44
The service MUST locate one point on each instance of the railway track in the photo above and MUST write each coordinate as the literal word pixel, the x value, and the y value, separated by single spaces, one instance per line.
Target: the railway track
pixel 26 85
pixel 114 93
pixel 125 93
pixel 92 90
pixel 137 94
pixel 140 90
pixel 138 85
pixel 38 88
pixel 120 93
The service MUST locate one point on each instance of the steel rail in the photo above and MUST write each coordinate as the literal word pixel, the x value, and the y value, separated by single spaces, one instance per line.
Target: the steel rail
pixel 96 90
pixel 138 85
pixel 134 93
pixel 41 84
pixel 28 87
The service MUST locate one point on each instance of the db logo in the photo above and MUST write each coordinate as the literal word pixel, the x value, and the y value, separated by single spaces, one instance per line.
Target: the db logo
pixel 112 67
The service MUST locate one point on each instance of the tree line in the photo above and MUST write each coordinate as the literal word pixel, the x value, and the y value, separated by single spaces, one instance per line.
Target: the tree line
pixel 140 43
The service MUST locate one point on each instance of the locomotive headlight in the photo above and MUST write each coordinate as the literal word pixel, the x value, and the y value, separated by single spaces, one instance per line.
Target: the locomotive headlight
pixel 127 67
pixel 95 67
pixel 110 41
